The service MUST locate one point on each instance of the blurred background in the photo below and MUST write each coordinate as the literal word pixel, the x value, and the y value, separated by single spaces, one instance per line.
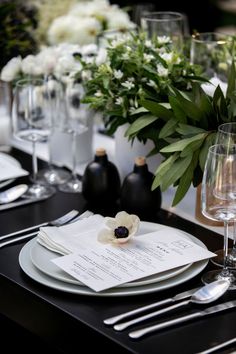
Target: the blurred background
pixel 24 25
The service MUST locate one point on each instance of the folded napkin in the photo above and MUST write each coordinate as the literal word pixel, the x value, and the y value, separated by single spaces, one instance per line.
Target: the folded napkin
pixel 9 169
pixel 68 238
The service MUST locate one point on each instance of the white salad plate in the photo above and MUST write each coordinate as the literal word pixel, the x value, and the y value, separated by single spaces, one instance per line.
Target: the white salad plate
pixel 35 261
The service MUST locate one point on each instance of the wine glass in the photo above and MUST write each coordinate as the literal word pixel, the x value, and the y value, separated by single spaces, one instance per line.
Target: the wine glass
pixel 226 135
pixel 219 200
pixel 212 51
pixel 76 123
pixel 165 24
pixel 53 175
pixel 31 122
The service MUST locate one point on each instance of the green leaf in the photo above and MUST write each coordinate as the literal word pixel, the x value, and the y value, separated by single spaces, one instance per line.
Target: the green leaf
pixel 157 109
pixel 195 145
pixel 188 130
pixel 162 169
pixel 231 80
pixel 175 172
pixel 184 184
pixel 189 107
pixel 168 129
pixel 139 110
pixel 181 144
pixel 140 123
pixel 204 150
pixel 180 115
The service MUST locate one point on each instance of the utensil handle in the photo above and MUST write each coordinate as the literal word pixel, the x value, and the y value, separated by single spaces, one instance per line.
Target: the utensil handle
pixel 141 332
pixel 123 325
pixel 14 240
pixel 20 203
pixel 114 319
pixel 219 346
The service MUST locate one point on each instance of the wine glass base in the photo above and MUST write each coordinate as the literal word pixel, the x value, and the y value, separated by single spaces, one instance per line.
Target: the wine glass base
pixel 39 191
pixel 72 186
pixel 53 176
pixel 214 275
pixel 219 259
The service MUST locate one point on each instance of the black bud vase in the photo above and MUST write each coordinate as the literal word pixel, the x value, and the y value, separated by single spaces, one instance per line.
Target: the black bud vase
pixel 136 194
pixel 101 180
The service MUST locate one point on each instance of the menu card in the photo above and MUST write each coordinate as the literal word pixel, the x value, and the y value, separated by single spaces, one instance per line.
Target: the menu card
pixel 9 170
pixel 102 266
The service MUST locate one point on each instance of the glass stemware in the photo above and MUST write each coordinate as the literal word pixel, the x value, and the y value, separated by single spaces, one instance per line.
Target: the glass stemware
pixel 219 200
pixel 164 24
pixel 53 175
pixel 76 123
pixel 213 52
pixel 226 135
pixel 31 122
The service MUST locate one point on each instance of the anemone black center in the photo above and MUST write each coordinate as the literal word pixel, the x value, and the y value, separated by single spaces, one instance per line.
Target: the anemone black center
pixel 121 232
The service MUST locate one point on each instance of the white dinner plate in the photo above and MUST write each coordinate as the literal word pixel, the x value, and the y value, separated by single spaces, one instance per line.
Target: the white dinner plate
pixel 41 258
pixel 28 267
pixel 14 162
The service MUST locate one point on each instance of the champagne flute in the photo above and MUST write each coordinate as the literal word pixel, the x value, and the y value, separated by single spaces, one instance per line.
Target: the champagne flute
pixel 76 123
pixel 226 135
pixel 219 200
pixel 31 122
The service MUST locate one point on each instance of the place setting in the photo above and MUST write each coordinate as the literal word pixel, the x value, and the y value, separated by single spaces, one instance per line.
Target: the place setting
pixel 83 257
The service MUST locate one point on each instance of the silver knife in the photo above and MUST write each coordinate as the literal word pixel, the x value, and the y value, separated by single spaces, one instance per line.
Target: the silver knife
pixel 20 203
pixel 181 296
pixel 208 311
pixel 219 346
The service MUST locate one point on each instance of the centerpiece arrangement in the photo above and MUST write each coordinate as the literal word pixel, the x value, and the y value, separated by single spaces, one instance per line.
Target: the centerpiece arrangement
pixel 155 89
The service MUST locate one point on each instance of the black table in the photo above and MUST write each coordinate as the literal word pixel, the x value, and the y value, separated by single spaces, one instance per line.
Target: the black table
pixel 67 321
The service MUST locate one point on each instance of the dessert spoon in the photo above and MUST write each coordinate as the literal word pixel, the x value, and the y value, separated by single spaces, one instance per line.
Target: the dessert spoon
pixel 13 193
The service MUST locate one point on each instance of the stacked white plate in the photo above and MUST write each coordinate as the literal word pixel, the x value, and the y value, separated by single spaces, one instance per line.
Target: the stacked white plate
pixel 35 261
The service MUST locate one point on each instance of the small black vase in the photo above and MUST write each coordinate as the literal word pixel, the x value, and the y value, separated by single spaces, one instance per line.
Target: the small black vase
pixel 101 181
pixel 136 194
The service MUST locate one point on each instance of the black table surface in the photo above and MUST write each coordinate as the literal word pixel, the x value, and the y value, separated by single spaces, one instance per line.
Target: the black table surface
pixel 68 322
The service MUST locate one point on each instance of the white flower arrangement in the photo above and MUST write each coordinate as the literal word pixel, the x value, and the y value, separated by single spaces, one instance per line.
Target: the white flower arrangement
pixel 86 20
pixel 120 229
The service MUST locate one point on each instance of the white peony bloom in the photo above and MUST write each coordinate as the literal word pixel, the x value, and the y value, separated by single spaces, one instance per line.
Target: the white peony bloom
pixel 11 70
pixel 32 66
pixel 67 64
pixel 119 229
pixel 47 59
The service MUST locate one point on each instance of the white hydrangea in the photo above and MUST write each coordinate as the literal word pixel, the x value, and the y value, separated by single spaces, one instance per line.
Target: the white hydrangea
pixel 11 70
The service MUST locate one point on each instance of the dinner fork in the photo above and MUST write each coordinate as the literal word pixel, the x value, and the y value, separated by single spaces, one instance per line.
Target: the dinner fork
pixel 84 215
pixel 57 222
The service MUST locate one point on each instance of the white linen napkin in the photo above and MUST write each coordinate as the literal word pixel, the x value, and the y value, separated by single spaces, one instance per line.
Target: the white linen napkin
pixel 67 239
pixel 10 170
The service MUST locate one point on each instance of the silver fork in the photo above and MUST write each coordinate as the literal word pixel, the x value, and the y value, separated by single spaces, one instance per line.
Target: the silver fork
pixel 84 215
pixel 57 222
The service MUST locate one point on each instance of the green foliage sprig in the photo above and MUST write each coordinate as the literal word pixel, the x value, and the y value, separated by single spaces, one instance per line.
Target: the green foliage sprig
pixel 187 128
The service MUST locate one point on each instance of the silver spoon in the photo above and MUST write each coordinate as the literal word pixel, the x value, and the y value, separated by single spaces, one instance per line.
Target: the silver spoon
pixel 12 193
pixel 204 295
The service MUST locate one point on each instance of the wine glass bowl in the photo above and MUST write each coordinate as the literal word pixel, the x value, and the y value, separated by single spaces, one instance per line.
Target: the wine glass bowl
pixel 218 200
pixel 213 52
pixel 31 122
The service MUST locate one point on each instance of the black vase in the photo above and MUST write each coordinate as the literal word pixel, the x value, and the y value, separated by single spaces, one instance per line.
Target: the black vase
pixel 101 181
pixel 136 194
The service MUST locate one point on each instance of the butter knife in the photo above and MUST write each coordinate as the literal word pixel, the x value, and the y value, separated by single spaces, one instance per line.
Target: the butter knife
pixel 219 346
pixel 181 296
pixel 208 311
pixel 20 203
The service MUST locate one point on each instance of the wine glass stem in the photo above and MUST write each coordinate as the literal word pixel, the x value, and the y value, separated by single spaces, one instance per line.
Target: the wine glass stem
pixel 34 162
pixel 74 155
pixel 225 271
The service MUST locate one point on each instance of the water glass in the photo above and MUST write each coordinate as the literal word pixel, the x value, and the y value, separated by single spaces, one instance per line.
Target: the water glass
pixel 164 24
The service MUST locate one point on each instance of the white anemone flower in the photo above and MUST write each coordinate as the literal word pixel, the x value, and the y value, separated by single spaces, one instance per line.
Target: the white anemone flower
pixel 11 70
pixel 120 229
